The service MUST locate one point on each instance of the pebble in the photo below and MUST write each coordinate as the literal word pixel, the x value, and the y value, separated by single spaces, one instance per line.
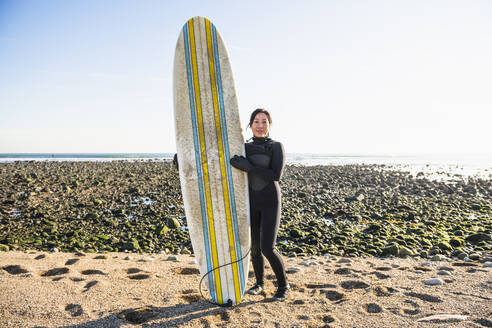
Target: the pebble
pixel 192 262
pixel 474 256
pixel 172 258
pixel 405 251
pixel 445 268
pixel 146 259
pixel 437 258
pixel 444 273
pixel 434 282
pixel 425 263
pixel 487 265
pixel 127 258
pixel 293 270
pixel 344 260
pixel 462 256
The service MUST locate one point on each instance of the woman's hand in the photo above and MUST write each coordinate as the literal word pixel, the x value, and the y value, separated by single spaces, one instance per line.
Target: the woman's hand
pixel 241 163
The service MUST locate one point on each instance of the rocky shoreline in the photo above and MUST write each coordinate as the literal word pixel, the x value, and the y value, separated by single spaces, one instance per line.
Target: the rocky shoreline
pixel 349 210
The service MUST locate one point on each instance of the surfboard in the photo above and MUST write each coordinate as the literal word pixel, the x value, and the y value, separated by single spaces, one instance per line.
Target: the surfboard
pixel 208 134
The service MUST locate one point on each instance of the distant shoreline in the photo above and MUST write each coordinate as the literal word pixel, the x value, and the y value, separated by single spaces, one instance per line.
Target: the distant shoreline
pixel 477 161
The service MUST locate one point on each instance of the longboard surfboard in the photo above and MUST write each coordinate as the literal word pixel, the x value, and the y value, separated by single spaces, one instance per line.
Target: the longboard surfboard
pixel 208 133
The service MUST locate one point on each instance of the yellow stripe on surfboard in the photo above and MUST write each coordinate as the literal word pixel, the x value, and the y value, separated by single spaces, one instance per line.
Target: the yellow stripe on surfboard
pixel 225 188
pixel 203 152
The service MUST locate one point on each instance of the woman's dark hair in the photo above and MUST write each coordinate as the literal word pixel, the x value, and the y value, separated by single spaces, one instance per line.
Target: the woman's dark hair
pixel 256 112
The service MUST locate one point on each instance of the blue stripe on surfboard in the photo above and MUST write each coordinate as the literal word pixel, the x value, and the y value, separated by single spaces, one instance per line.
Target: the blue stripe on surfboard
pixel 198 162
pixel 228 166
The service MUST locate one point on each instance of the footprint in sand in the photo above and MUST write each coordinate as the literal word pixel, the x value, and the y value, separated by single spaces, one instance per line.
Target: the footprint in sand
pixel 380 275
pixel 413 311
pixel 412 303
pixel 384 291
pixel 139 315
pixel 328 319
pixel 139 276
pixel 225 316
pixel 71 261
pixel 191 298
pixel 420 268
pixel 333 295
pixel 373 308
pixel 54 272
pixel 354 284
pixel 75 310
pixel 135 275
pixel 15 269
pixel 77 279
pixel 90 284
pixel 424 297
pixel 383 268
pixel 343 271
pixel 320 286
pixel 92 272
pixel 187 271
pixel 484 322
pixel 464 264
pixel 255 317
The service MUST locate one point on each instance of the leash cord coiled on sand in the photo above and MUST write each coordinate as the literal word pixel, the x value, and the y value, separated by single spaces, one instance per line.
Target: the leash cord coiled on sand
pixel 229 301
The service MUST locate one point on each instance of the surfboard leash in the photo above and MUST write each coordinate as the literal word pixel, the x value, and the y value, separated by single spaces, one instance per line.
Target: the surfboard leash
pixel 229 301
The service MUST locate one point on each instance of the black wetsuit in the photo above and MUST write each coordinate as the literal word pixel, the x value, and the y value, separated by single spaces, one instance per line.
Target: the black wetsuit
pixel 264 164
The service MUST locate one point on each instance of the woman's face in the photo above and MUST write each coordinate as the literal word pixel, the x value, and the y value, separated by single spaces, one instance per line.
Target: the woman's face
pixel 260 126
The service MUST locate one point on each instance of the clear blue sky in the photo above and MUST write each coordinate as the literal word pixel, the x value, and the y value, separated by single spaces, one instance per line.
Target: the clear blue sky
pixel 372 77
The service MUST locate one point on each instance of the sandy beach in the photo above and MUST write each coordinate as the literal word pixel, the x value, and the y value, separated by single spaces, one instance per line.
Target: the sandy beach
pixel 41 289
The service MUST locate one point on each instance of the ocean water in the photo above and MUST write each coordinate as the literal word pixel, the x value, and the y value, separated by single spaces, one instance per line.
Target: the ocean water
pixel 436 167
pixel 10 157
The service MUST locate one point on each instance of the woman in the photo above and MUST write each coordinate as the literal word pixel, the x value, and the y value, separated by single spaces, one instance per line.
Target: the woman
pixel 264 163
